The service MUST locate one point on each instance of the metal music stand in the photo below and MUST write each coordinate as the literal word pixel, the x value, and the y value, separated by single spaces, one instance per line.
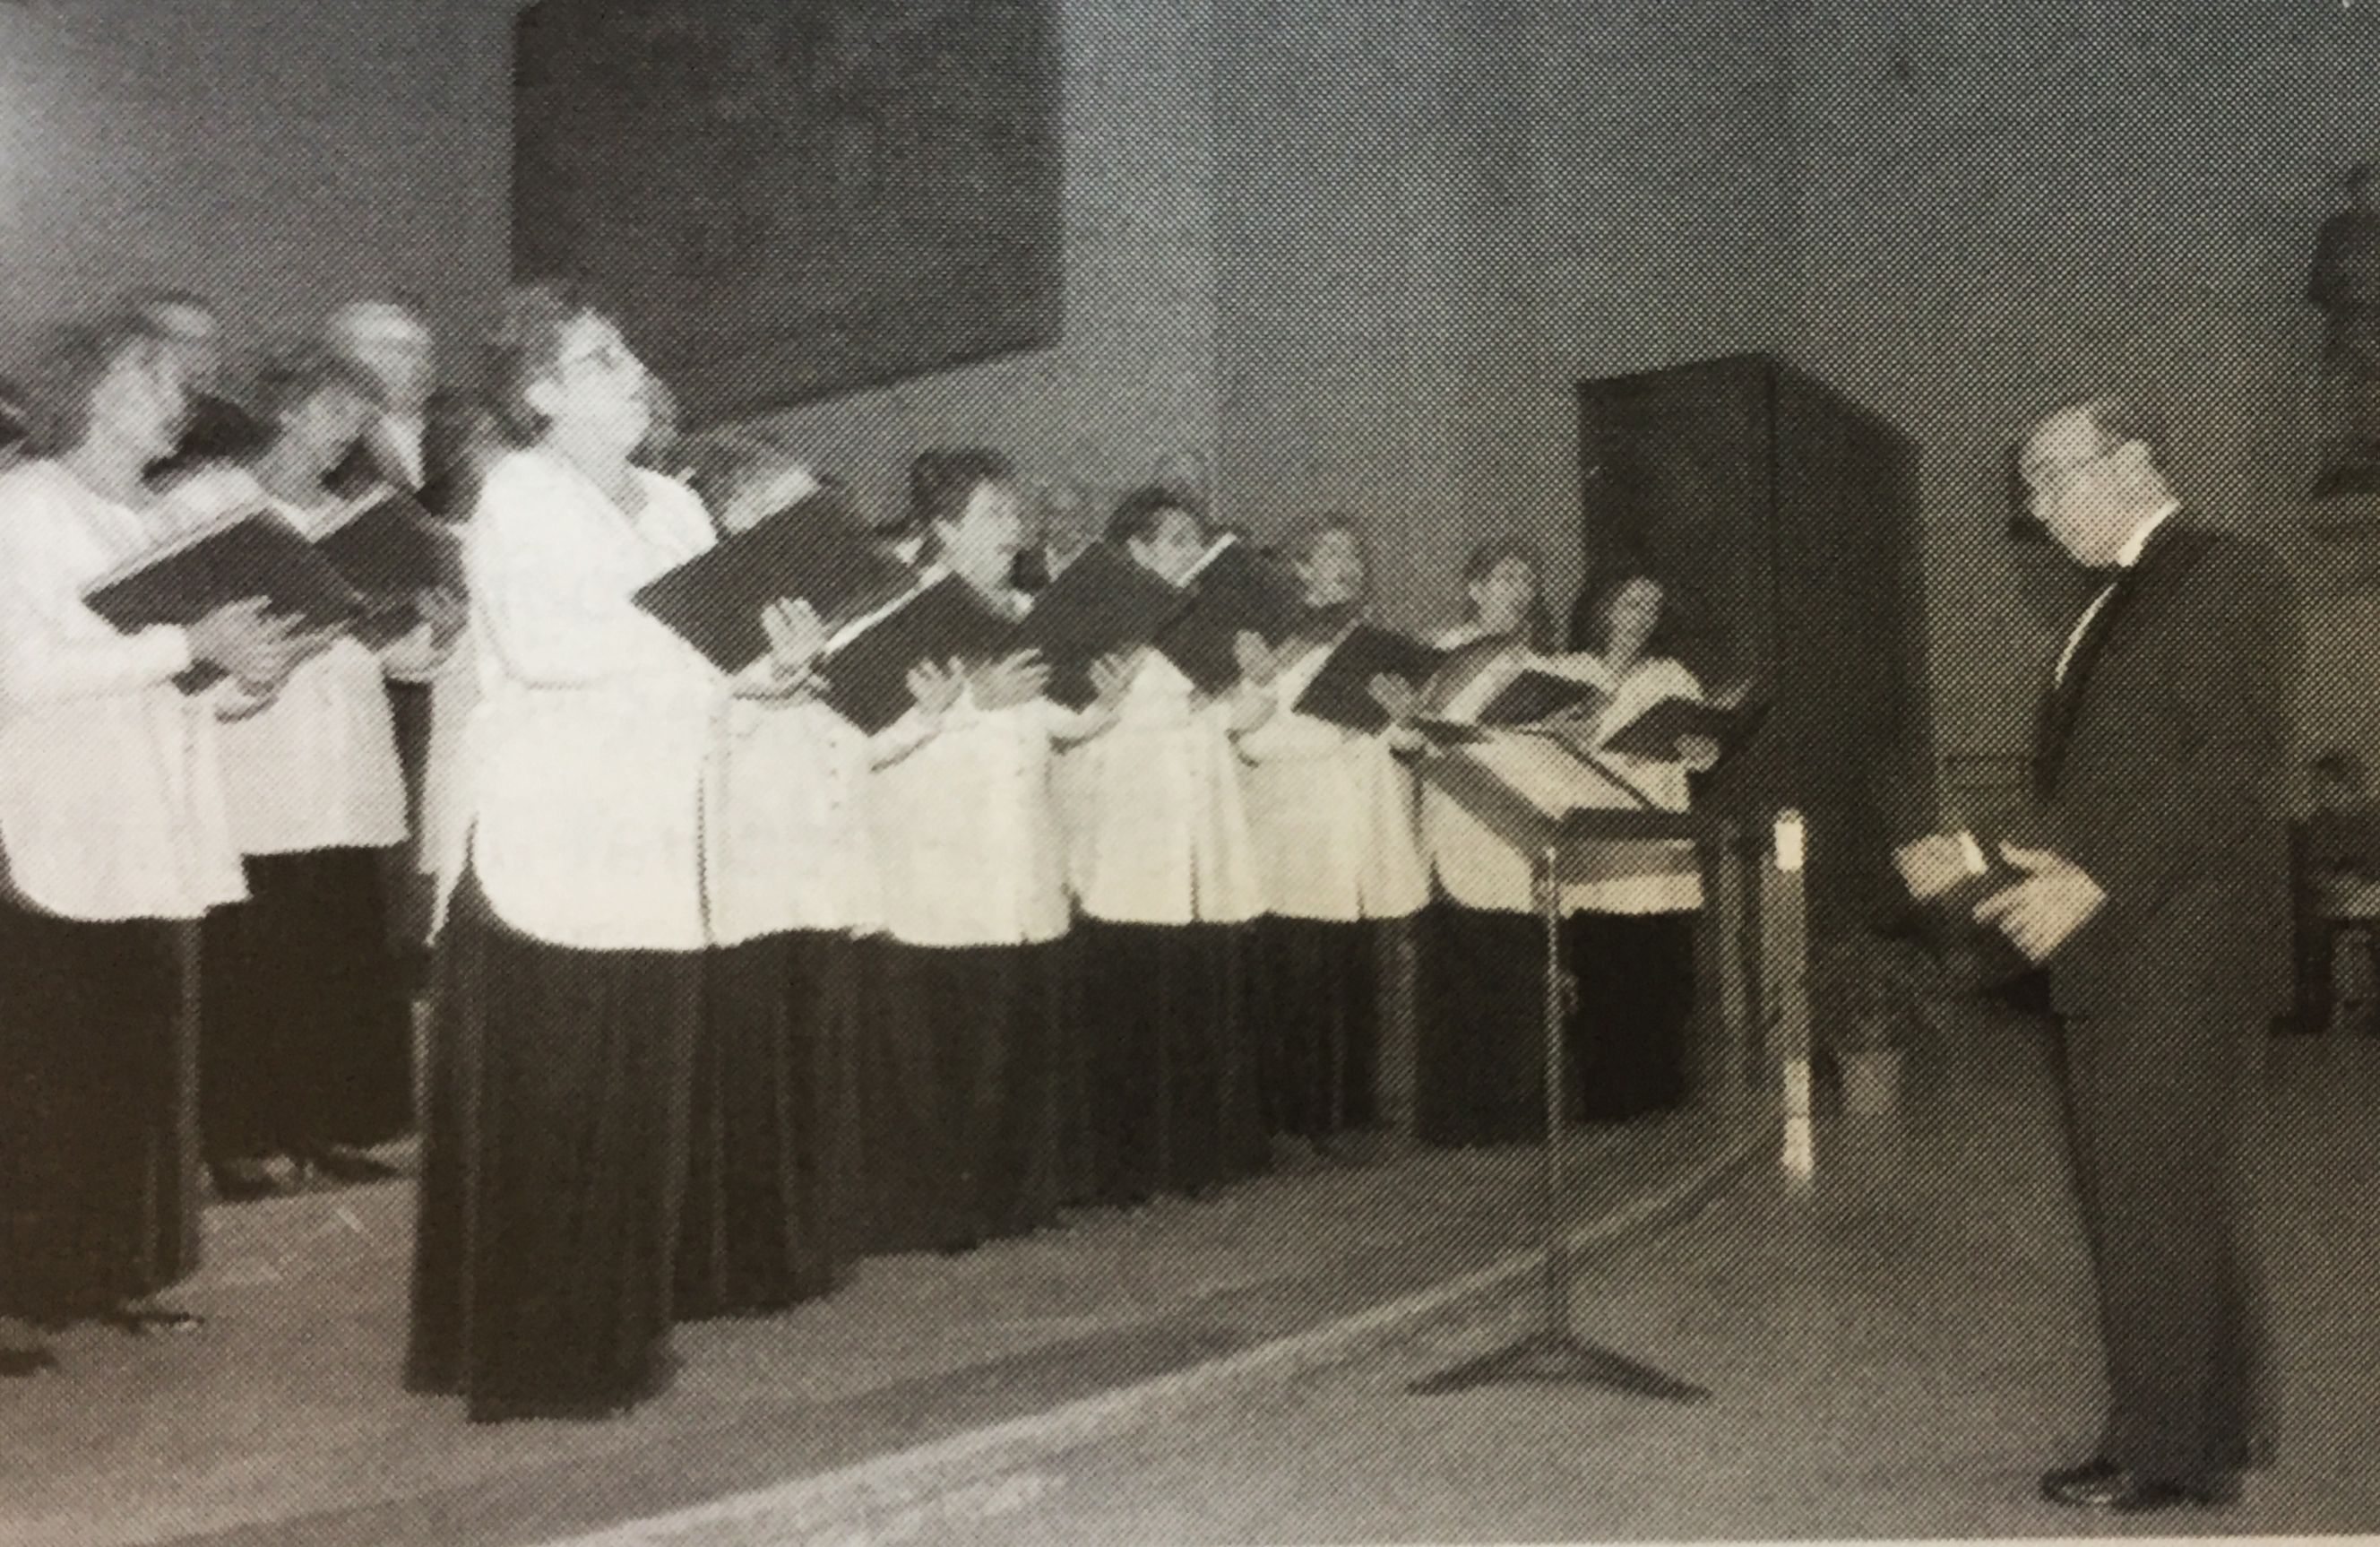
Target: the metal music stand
pixel 1554 1354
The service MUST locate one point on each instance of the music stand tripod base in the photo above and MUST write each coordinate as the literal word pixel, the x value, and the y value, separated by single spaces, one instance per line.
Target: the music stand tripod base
pixel 1553 1355
pixel 1548 1357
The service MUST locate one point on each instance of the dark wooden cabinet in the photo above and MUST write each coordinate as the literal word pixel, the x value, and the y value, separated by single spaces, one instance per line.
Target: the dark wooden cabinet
pixel 1783 519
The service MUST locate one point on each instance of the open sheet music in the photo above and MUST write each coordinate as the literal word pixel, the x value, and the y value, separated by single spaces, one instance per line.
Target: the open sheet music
pixel 815 550
pixel 1234 589
pixel 1102 605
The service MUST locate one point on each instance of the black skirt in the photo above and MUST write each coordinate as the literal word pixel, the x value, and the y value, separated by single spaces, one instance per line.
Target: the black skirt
pixel 1479 1075
pixel 304 1035
pixel 1629 1040
pixel 553 1160
pixel 1317 1018
pixel 766 1129
pixel 99 1200
pixel 961 1138
pixel 1173 1083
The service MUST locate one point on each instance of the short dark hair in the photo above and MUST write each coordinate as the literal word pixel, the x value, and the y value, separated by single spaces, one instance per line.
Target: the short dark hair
pixel 942 479
pixel 1591 621
pixel 1488 557
pixel 1301 543
pixel 1141 512
pixel 297 377
pixel 76 360
pixel 527 347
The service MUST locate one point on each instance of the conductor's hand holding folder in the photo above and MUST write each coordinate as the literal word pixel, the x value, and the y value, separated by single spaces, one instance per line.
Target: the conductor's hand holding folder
pixel 2034 897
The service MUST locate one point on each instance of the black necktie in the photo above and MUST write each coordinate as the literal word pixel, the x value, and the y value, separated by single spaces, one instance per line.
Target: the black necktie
pixel 2065 694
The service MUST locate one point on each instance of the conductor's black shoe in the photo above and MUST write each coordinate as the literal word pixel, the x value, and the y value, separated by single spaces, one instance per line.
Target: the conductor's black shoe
pixel 244 1181
pixel 2121 1491
pixel 340 1163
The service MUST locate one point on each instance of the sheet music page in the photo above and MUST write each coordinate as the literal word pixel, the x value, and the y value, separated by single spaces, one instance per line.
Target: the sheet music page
pixel 1550 778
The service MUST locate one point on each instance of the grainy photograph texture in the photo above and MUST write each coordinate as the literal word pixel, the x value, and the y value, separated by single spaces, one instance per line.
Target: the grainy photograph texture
pixel 994 772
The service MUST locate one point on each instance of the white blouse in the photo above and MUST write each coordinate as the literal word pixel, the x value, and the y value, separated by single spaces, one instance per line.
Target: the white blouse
pixel 590 741
pixel 111 789
pixel 1163 829
pixel 787 843
pixel 966 830
pixel 1478 870
pixel 1331 812
pixel 445 818
pixel 317 767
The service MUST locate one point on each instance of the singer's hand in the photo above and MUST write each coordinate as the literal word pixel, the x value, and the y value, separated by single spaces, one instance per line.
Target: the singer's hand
pixel 1932 865
pixel 1014 679
pixel 1397 696
pixel 1697 753
pixel 1112 676
pixel 1258 663
pixel 2041 912
pixel 934 688
pixel 797 638
pixel 253 645
pixel 445 610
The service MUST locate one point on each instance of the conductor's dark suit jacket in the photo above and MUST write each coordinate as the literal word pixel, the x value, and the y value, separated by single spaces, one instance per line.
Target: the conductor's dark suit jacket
pixel 2162 768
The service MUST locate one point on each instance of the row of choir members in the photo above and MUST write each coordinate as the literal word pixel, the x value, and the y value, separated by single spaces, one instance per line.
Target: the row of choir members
pixel 118 829
pixel 675 904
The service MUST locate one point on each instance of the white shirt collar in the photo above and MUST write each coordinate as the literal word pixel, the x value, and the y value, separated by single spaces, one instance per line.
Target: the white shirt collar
pixel 2130 553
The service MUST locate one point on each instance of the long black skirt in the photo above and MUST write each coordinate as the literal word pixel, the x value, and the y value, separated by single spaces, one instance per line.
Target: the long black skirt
pixel 1317 1017
pixel 411 890
pixel 305 1036
pixel 1629 1039
pixel 1172 1055
pixel 765 1130
pixel 99 1200
pixel 960 1143
pixel 1479 1075
pixel 554 1160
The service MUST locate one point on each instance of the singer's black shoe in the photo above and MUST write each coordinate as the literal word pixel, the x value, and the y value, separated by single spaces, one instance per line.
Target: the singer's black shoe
pixel 152 1319
pixel 2085 1474
pixel 2099 1484
pixel 24 1364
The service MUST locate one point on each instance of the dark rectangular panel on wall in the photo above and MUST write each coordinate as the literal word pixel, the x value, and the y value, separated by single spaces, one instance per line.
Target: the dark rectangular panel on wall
pixel 783 199
pixel 1784 519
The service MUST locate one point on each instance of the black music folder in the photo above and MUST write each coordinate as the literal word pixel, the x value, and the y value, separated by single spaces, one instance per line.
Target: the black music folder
pixel 250 552
pixel 1102 603
pixel 247 553
pixel 868 672
pixel 815 550
pixel 1341 691
pixel 1234 589
pixel 390 551
pixel 393 548
pixel 1534 697
pixel 1655 733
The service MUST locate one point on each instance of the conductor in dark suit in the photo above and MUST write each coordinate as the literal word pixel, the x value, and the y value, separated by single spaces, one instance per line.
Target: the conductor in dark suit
pixel 2159 903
